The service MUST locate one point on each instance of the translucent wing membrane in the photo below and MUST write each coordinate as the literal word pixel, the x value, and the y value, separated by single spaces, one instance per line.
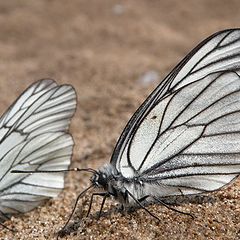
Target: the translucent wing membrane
pixel 186 134
pixel 33 136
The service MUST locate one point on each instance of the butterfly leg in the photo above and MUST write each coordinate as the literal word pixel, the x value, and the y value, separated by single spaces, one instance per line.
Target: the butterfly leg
pixel 130 209
pixel 141 205
pixel 121 208
pixel 61 232
pixel 171 208
pixel 102 194
pixel 103 201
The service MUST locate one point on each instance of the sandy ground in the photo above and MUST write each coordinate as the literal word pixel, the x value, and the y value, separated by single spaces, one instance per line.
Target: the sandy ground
pixel 102 48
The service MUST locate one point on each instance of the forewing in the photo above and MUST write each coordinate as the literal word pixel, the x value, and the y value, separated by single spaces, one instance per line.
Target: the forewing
pixel 195 107
pixel 34 136
pixel 43 107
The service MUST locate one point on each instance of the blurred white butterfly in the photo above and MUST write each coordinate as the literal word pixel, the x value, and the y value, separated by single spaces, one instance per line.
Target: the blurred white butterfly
pixel 185 138
pixel 34 136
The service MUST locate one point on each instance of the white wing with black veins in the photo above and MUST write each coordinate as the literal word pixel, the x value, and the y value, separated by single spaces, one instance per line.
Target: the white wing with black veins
pixel 34 136
pixel 186 135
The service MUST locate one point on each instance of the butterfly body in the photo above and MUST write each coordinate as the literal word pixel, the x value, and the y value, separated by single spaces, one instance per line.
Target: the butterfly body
pixel 119 187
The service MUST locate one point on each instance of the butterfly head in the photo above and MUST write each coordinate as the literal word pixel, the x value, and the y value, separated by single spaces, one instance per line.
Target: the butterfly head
pixel 108 179
pixel 103 176
pixel 99 179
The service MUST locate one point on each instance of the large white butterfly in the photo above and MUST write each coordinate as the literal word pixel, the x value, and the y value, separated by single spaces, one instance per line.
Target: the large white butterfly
pixel 185 137
pixel 34 136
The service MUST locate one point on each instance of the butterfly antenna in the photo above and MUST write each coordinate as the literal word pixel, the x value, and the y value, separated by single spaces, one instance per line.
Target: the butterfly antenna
pixel 61 232
pixel 57 171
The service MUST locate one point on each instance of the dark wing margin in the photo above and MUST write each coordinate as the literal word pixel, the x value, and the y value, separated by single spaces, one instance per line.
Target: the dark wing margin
pixel 34 135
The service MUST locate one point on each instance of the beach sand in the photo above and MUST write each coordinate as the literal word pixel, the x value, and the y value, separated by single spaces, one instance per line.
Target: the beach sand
pixel 104 49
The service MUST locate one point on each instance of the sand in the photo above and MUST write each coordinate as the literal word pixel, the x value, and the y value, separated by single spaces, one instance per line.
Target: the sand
pixel 103 48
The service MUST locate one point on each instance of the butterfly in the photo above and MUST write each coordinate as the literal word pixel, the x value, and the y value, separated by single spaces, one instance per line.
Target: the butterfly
pixel 34 136
pixel 185 138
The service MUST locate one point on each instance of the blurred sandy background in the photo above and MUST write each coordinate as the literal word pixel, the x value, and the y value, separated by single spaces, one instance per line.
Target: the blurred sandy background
pixel 114 53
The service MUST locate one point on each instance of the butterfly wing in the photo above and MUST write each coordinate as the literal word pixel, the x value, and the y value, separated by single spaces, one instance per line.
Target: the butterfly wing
pixel 185 134
pixel 34 136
